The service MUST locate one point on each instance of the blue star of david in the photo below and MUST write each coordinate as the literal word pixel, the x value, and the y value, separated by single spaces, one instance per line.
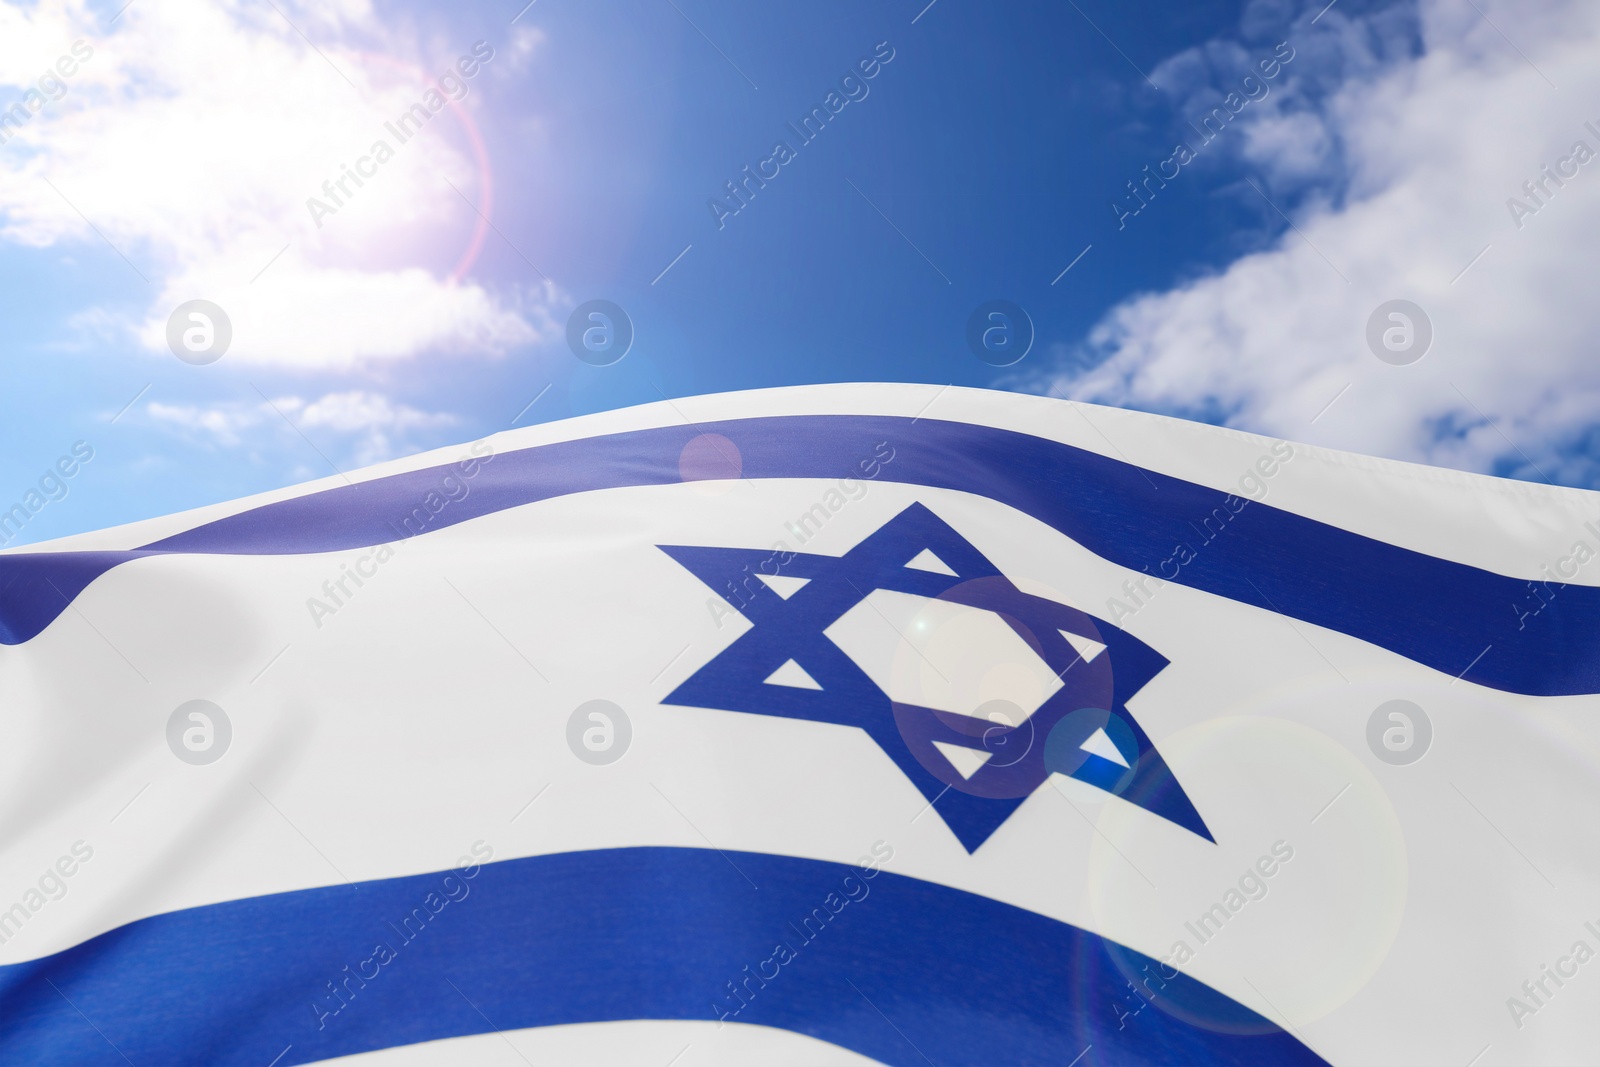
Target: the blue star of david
pixel 1100 668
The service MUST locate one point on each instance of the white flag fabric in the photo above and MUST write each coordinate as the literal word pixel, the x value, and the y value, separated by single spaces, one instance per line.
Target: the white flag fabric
pixel 843 724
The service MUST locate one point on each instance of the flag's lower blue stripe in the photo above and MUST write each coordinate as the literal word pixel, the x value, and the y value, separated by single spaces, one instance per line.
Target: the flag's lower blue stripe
pixel 1460 620
pixel 895 968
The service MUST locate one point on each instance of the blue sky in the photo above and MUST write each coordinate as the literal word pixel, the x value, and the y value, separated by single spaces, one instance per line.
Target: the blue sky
pixel 983 158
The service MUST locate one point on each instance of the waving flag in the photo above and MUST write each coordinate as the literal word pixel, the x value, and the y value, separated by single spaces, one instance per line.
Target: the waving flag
pixel 838 724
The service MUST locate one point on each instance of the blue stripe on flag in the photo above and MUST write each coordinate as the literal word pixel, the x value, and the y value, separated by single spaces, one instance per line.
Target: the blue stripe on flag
pixel 1454 618
pixel 907 969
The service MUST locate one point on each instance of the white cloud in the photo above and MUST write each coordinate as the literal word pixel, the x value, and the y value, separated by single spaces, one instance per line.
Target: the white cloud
pixel 304 316
pixel 224 424
pixel 192 138
pixel 1396 168
pixel 525 40
pixel 370 426
pixel 357 410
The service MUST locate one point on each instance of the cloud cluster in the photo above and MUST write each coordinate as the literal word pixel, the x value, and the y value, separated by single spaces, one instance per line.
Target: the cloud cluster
pixel 1395 149
pixel 369 425
pixel 191 141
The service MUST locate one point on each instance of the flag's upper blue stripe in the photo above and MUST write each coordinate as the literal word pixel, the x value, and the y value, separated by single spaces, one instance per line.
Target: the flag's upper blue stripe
pixel 1457 619
pixel 892 967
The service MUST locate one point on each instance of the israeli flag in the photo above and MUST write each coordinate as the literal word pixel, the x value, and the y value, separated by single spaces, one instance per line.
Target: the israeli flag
pixel 829 725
